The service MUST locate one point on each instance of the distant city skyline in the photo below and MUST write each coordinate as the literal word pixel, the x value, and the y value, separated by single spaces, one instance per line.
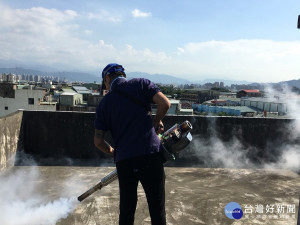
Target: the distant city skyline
pixel 251 40
pixel 23 74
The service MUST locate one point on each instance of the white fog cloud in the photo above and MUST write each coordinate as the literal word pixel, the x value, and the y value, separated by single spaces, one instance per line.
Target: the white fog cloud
pixel 138 13
pixel 22 205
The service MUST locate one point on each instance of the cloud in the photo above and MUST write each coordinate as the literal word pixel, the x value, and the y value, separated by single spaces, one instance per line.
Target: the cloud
pixel 136 13
pixel 264 60
pixel 104 16
pixel 34 16
pixel 266 50
pixel 88 32
pixel 42 36
pixel 32 36
pixel 50 37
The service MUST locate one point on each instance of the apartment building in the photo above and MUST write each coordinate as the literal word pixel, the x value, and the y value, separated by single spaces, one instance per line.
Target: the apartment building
pixel 199 96
pixel 14 97
pixel 175 108
pixel 71 101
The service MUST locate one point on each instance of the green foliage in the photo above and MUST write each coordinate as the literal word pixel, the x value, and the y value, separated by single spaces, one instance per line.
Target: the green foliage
pixel 169 90
pixel 220 89
pixel 94 86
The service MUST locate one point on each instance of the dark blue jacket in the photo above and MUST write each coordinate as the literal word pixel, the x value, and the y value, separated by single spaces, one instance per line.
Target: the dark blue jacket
pixel 130 124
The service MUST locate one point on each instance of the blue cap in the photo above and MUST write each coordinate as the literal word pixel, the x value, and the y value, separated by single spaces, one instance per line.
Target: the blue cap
pixel 112 68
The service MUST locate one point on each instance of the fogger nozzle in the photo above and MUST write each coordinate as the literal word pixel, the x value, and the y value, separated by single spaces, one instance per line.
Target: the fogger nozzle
pixel 104 181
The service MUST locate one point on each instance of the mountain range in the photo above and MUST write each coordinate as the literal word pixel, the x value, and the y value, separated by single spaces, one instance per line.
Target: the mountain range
pixel 156 78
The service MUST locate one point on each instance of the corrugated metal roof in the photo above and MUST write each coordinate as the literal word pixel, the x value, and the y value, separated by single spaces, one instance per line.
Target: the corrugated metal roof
pixel 80 88
pixel 243 109
pixel 84 92
pixel 270 100
pixel 69 93
pixel 68 90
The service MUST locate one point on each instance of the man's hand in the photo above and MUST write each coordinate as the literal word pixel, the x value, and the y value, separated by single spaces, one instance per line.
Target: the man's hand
pixel 158 126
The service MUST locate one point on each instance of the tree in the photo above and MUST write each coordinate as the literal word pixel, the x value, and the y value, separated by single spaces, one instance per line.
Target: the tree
pixel 169 90
pixel 220 89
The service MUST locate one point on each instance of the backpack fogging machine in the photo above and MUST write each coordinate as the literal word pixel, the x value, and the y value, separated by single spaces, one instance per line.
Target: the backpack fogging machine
pixel 174 140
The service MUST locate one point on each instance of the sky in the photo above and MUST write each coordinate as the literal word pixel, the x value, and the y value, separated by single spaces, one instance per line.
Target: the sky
pixel 251 40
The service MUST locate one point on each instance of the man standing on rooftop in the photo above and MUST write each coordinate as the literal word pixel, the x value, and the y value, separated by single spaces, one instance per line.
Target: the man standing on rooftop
pixel 125 112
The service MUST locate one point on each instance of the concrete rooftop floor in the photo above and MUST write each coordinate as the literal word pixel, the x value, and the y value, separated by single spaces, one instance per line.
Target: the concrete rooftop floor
pixel 193 195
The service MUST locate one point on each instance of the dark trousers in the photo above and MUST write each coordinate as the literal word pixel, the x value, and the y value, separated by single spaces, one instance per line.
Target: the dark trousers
pixel 149 171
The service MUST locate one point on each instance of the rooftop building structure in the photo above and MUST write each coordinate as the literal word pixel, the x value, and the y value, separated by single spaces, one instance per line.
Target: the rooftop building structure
pixel 69 100
pixel 82 90
pixel 199 96
pixel 248 93
pixel 9 78
pixel 230 110
pixel 267 104
pixel 93 101
pixel 227 95
pixel 175 108
pixel 14 97
pixel 224 102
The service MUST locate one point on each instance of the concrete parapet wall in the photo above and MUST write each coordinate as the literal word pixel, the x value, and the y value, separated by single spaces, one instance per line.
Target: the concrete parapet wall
pixel 239 141
pixel 59 138
pixel 67 138
pixel 9 138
